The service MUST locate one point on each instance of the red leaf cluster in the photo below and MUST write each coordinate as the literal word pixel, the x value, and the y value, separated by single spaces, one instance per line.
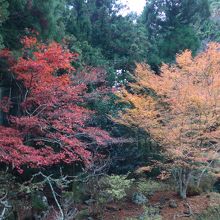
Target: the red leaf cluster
pixel 53 126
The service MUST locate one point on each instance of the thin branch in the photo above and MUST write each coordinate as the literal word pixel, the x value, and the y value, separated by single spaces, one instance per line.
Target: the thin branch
pixel 48 180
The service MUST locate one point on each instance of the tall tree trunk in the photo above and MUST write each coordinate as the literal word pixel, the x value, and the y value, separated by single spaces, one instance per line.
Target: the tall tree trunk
pixel 182 177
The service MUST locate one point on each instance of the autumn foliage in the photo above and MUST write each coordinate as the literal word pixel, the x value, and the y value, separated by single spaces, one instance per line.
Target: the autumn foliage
pixel 180 108
pixel 53 124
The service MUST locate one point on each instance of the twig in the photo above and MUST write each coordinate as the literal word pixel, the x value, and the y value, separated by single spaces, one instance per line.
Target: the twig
pixel 6 206
pixel 190 212
pixel 49 179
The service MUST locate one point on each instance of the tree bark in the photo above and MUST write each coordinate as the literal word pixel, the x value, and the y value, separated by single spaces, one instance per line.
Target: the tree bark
pixel 183 178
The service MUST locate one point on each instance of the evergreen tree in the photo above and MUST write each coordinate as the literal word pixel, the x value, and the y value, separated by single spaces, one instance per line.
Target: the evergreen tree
pixel 78 21
pixel 170 26
pixel 42 16
pixel 209 30
pixel 3 17
pixel 99 27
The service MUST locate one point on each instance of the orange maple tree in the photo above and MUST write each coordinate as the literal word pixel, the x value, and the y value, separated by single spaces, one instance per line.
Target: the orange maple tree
pixel 180 109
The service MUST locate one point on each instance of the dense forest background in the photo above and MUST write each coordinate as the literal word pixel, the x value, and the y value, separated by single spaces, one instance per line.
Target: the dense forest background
pixel 62 64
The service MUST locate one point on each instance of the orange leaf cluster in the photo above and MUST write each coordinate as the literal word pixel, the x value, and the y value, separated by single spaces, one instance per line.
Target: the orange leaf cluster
pixel 180 108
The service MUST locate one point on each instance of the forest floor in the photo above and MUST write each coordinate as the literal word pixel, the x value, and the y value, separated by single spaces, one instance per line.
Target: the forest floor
pixel 186 209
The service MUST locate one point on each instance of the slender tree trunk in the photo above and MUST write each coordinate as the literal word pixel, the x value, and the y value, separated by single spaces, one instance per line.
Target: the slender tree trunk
pixel 183 177
pixel 1 113
pixel 183 192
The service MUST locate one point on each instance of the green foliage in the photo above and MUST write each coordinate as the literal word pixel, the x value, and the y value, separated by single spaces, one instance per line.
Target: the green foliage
pixel 121 41
pixel 77 193
pixel 87 55
pixel 116 186
pixel 82 214
pixel 37 202
pixel 207 182
pixel 210 214
pixel 139 198
pixel 209 30
pixel 159 15
pixel 3 17
pixel 193 190
pixel 173 43
pixel 106 189
pixel 3 10
pixel 42 16
pixel 214 8
pixel 171 27
pixel 149 187
pixel 105 35
pixel 150 213
pixel 78 20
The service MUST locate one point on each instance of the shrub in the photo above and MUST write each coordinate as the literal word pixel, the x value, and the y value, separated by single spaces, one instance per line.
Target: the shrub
pixel 116 186
pixel 39 201
pixel 212 213
pixel 77 193
pixel 149 187
pixel 139 198
pixel 106 189
pixel 150 213
pixel 207 182
pixel 194 190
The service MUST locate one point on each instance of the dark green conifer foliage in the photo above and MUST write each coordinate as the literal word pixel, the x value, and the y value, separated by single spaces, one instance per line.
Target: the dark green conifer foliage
pixel 3 17
pixel 78 21
pixel 42 16
pixel 98 24
pixel 209 30
pixel 171 27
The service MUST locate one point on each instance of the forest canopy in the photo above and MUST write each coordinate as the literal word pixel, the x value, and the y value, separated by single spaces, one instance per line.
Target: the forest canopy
pixel 105 113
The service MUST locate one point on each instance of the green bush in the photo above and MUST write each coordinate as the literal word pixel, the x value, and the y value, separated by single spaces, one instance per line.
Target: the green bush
pixel 78 192
pixel 82 214
pixel 212 213
pixel 116 186
pixel 206 185
pixel 107 189
pixel 207 182
pixel 149 187
pixel 150 213
pixel 37 201
pixel 194 190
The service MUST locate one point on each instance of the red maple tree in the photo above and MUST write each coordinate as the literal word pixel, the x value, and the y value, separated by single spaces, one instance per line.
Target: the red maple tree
pixel 53 125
